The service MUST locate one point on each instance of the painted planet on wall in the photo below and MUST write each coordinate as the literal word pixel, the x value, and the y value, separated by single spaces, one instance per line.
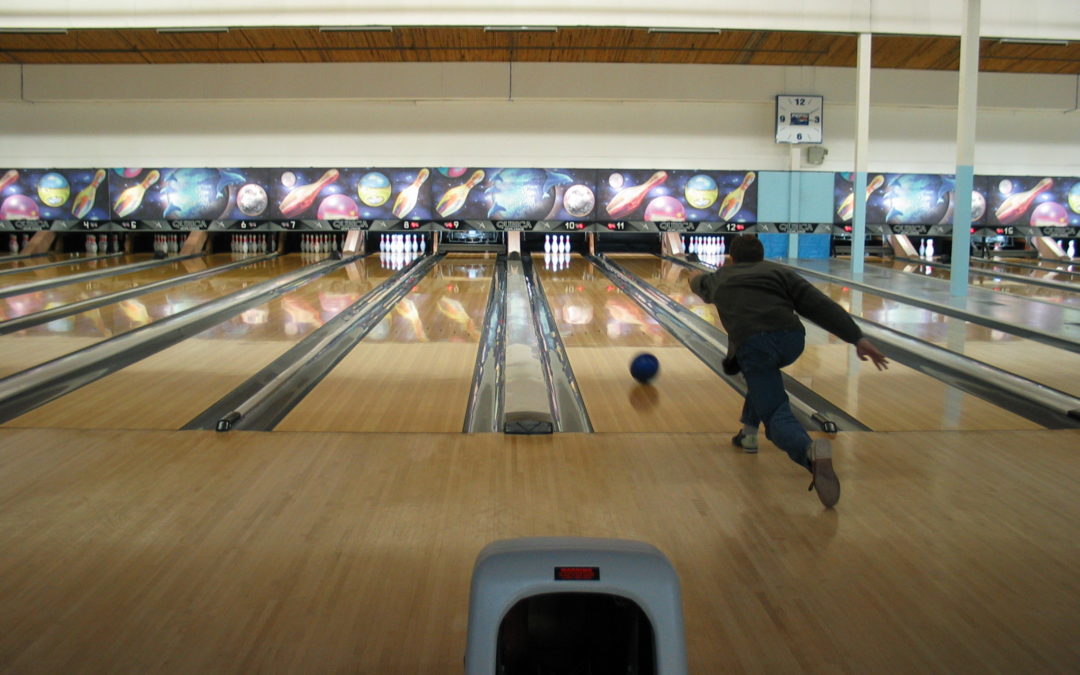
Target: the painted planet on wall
pixel 19 207
pixel 53 189
pixel 665 208
pixel 374 189
pixel 978 205
pixel 616 180
pixel 701 191
pixel 453 171
pixel 1074 197
pixel 128 172
pixel 338 207
pixel 288 179
pixel 579 201
pixel 1049 214
pixel 252 200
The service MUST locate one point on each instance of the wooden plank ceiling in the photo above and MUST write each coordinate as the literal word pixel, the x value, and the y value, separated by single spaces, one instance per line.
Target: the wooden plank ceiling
pixel 597 45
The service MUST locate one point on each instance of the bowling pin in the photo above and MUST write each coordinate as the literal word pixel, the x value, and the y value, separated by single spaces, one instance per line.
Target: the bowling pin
pixel 300 198
pixel 406 199
pixel 131 198
pixel 91 244
pixel 114 243
pixel 423 243
pixel 733 201
pixel 847 207
pixel 922 248
pixel 723 246
pixel 13 242
pixel 628 199
pixel 1072 248
pixel 547 243
pixel 84 201
pixel 9 177
pixel 930 249
pixel 455 197
pixel 1015 205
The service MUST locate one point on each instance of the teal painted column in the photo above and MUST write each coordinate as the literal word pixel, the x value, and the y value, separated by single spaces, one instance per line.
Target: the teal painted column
pixel 795 200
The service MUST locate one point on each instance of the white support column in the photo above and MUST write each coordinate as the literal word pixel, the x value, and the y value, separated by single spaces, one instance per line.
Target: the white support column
pixel 965 148
pixel 862 143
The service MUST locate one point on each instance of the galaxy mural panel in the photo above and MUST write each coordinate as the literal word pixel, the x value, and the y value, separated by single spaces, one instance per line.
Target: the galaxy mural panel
pixel 513 193
pixel 677 195
pixel 54 194
pixel 1038 201
pixel 905 198
pixel 351 193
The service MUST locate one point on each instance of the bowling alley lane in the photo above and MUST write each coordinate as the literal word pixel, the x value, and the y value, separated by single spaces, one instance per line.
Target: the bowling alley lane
pixel 413 371
pixel 987 283
pixel 1045 364
pixel 28 303
pixel 168 389
pixel 74 266
pixel 38 344
pixel 899 399
pixel 602 329
pixel 1057 272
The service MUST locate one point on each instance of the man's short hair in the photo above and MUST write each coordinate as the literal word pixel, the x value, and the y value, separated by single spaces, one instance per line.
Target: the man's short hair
pixel 747 248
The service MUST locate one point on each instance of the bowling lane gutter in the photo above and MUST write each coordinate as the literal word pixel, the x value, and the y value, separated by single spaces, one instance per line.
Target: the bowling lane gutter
pixel 47 315
pixel 484 412
pixel 267 397
pixel 30 388
pixel 1056 285
pixel 567 404
pixel 710 345
pixel 60 263
pixel 20 289
pixel 979 319
pixel 1052 408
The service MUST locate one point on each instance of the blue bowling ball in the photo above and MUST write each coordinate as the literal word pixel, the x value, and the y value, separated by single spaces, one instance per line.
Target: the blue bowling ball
pixel 644 367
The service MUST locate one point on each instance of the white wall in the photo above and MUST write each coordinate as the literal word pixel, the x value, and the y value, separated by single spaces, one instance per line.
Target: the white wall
pixel 1030 18
pixel 572 115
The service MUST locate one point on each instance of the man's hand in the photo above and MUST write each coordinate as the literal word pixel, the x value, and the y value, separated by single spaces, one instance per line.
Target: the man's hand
pixel 866 350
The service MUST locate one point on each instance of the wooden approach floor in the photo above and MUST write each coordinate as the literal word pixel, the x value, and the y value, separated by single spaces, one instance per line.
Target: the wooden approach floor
pixel 196 552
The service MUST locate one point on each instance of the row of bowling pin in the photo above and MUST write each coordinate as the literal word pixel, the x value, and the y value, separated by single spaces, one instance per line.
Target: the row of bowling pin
pixel 1070 250
pixel 396 260
pixel 702 246
pixel 402 243
pixel 13 242
pixel 926 249
pixel 556 243
pixel 250 243
pixel 168 244
pixel 319 243
pixel 556 261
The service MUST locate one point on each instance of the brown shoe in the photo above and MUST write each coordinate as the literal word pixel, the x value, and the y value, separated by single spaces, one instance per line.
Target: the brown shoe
pixel 825 481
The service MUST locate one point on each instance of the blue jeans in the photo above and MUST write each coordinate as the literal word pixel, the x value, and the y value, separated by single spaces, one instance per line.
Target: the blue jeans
pixel 761 357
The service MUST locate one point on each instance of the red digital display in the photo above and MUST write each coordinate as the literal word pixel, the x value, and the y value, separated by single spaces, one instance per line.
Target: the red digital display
pixel 577 574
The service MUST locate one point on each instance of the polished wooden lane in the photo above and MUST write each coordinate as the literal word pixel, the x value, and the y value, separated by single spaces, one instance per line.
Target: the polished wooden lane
pixel 32 346
pixel 168 389
pixel 193 552
pixel 76 266
pixel 603 329
pixel 413 370
pixel 900 399
pixel 28 303
pixel 1010 286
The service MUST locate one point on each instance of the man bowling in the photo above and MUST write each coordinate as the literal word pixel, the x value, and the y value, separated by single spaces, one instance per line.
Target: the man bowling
pixel 759 303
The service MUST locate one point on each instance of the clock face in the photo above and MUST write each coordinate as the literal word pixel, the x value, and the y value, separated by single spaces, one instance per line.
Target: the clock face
pixel 799 118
